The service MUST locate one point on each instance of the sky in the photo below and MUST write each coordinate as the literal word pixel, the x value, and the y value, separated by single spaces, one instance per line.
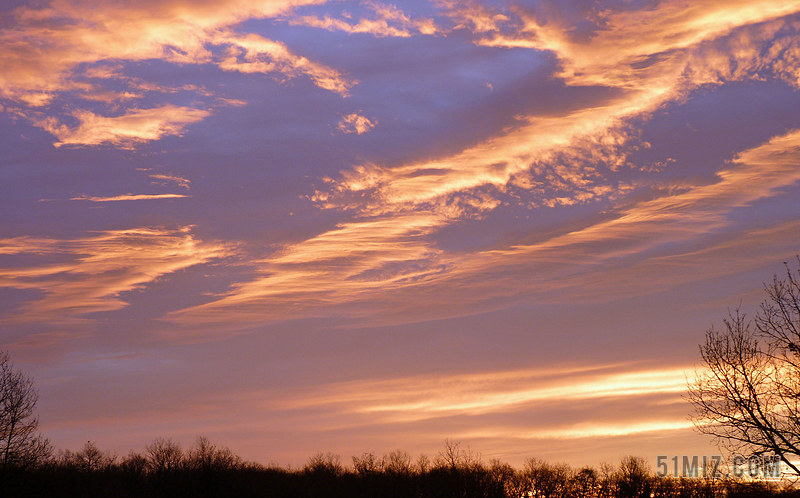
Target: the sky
pixel 295 226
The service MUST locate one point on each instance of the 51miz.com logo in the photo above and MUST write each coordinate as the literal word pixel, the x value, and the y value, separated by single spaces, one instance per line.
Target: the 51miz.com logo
pixel 754 466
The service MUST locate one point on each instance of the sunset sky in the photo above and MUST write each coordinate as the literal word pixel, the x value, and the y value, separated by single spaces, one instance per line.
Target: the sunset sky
pixel 358 226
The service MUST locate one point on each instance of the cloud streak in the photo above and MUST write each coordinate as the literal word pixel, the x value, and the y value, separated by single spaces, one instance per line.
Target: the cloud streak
pixel 87 275
pixel 135 127
pixel 424 403
pixel 471 394
pixel 164 179
pixel 387 20
pixel 260 55
pixel 129 197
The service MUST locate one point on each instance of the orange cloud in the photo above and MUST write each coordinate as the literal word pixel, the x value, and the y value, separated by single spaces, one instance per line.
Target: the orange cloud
pixel 388 21
pixel 129 197
pixel 338 266
pixel 423 397
pixel 471 15
pixel 178 180
pixel 354 123
pixel 429 404
pixel 135 127
pixel 90 273
pixel 266 56
pixel 585 430
pixel 640 48
pixel 754 174
pixel 541 140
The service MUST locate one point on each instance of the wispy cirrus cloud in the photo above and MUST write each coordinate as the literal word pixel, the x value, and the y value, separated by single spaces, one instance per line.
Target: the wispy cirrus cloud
pixel 507 404
pixel 556 208
pixel 497 411
pixel 163 179
pixel 472 15
pixel 638 48
pixel 135 127
pixel 128 197
pixel 387 20
pixel 86 275
pixel 255 54
pixel 429 396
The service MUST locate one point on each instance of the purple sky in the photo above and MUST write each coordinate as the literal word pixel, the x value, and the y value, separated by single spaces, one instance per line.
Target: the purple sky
pixel 304 225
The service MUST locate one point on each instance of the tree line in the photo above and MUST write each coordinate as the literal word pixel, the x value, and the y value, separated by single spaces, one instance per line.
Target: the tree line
pixel 203 470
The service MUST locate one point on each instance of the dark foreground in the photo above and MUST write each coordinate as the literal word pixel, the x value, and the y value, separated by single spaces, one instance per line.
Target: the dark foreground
pixel 164 470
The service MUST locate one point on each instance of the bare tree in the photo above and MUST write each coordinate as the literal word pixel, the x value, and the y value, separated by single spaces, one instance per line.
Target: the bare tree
pixel 454 458
pixel 206 457
pixel 325 463
pixel 633 478
pixel 546 480
pixel 367 464
pixel 134 464
pixel 748 395
pixel 92 459
pixel 423 463
pixel 397 462
pixel 20 445
pixel 163 456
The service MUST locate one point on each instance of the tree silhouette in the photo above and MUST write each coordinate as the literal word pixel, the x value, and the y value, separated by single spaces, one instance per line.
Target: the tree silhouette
pixel 748 397
pixel 545 479
pixel 164 456
pixel 633 478
pixel 20 446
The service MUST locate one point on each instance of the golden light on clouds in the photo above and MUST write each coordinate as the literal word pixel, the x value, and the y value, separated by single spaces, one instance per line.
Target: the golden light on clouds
pixel 165 179
pixel 354 123
pixel 266 56
pixel 442 399
pixel 387 20
pixel 642 48
pixel 135 127
pixel 95 270
pixel 584 431
pixel 471 394
pixel 129 197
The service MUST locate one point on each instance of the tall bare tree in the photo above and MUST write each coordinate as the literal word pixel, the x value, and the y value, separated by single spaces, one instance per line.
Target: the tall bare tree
pixel 20 445
pixel 748 395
